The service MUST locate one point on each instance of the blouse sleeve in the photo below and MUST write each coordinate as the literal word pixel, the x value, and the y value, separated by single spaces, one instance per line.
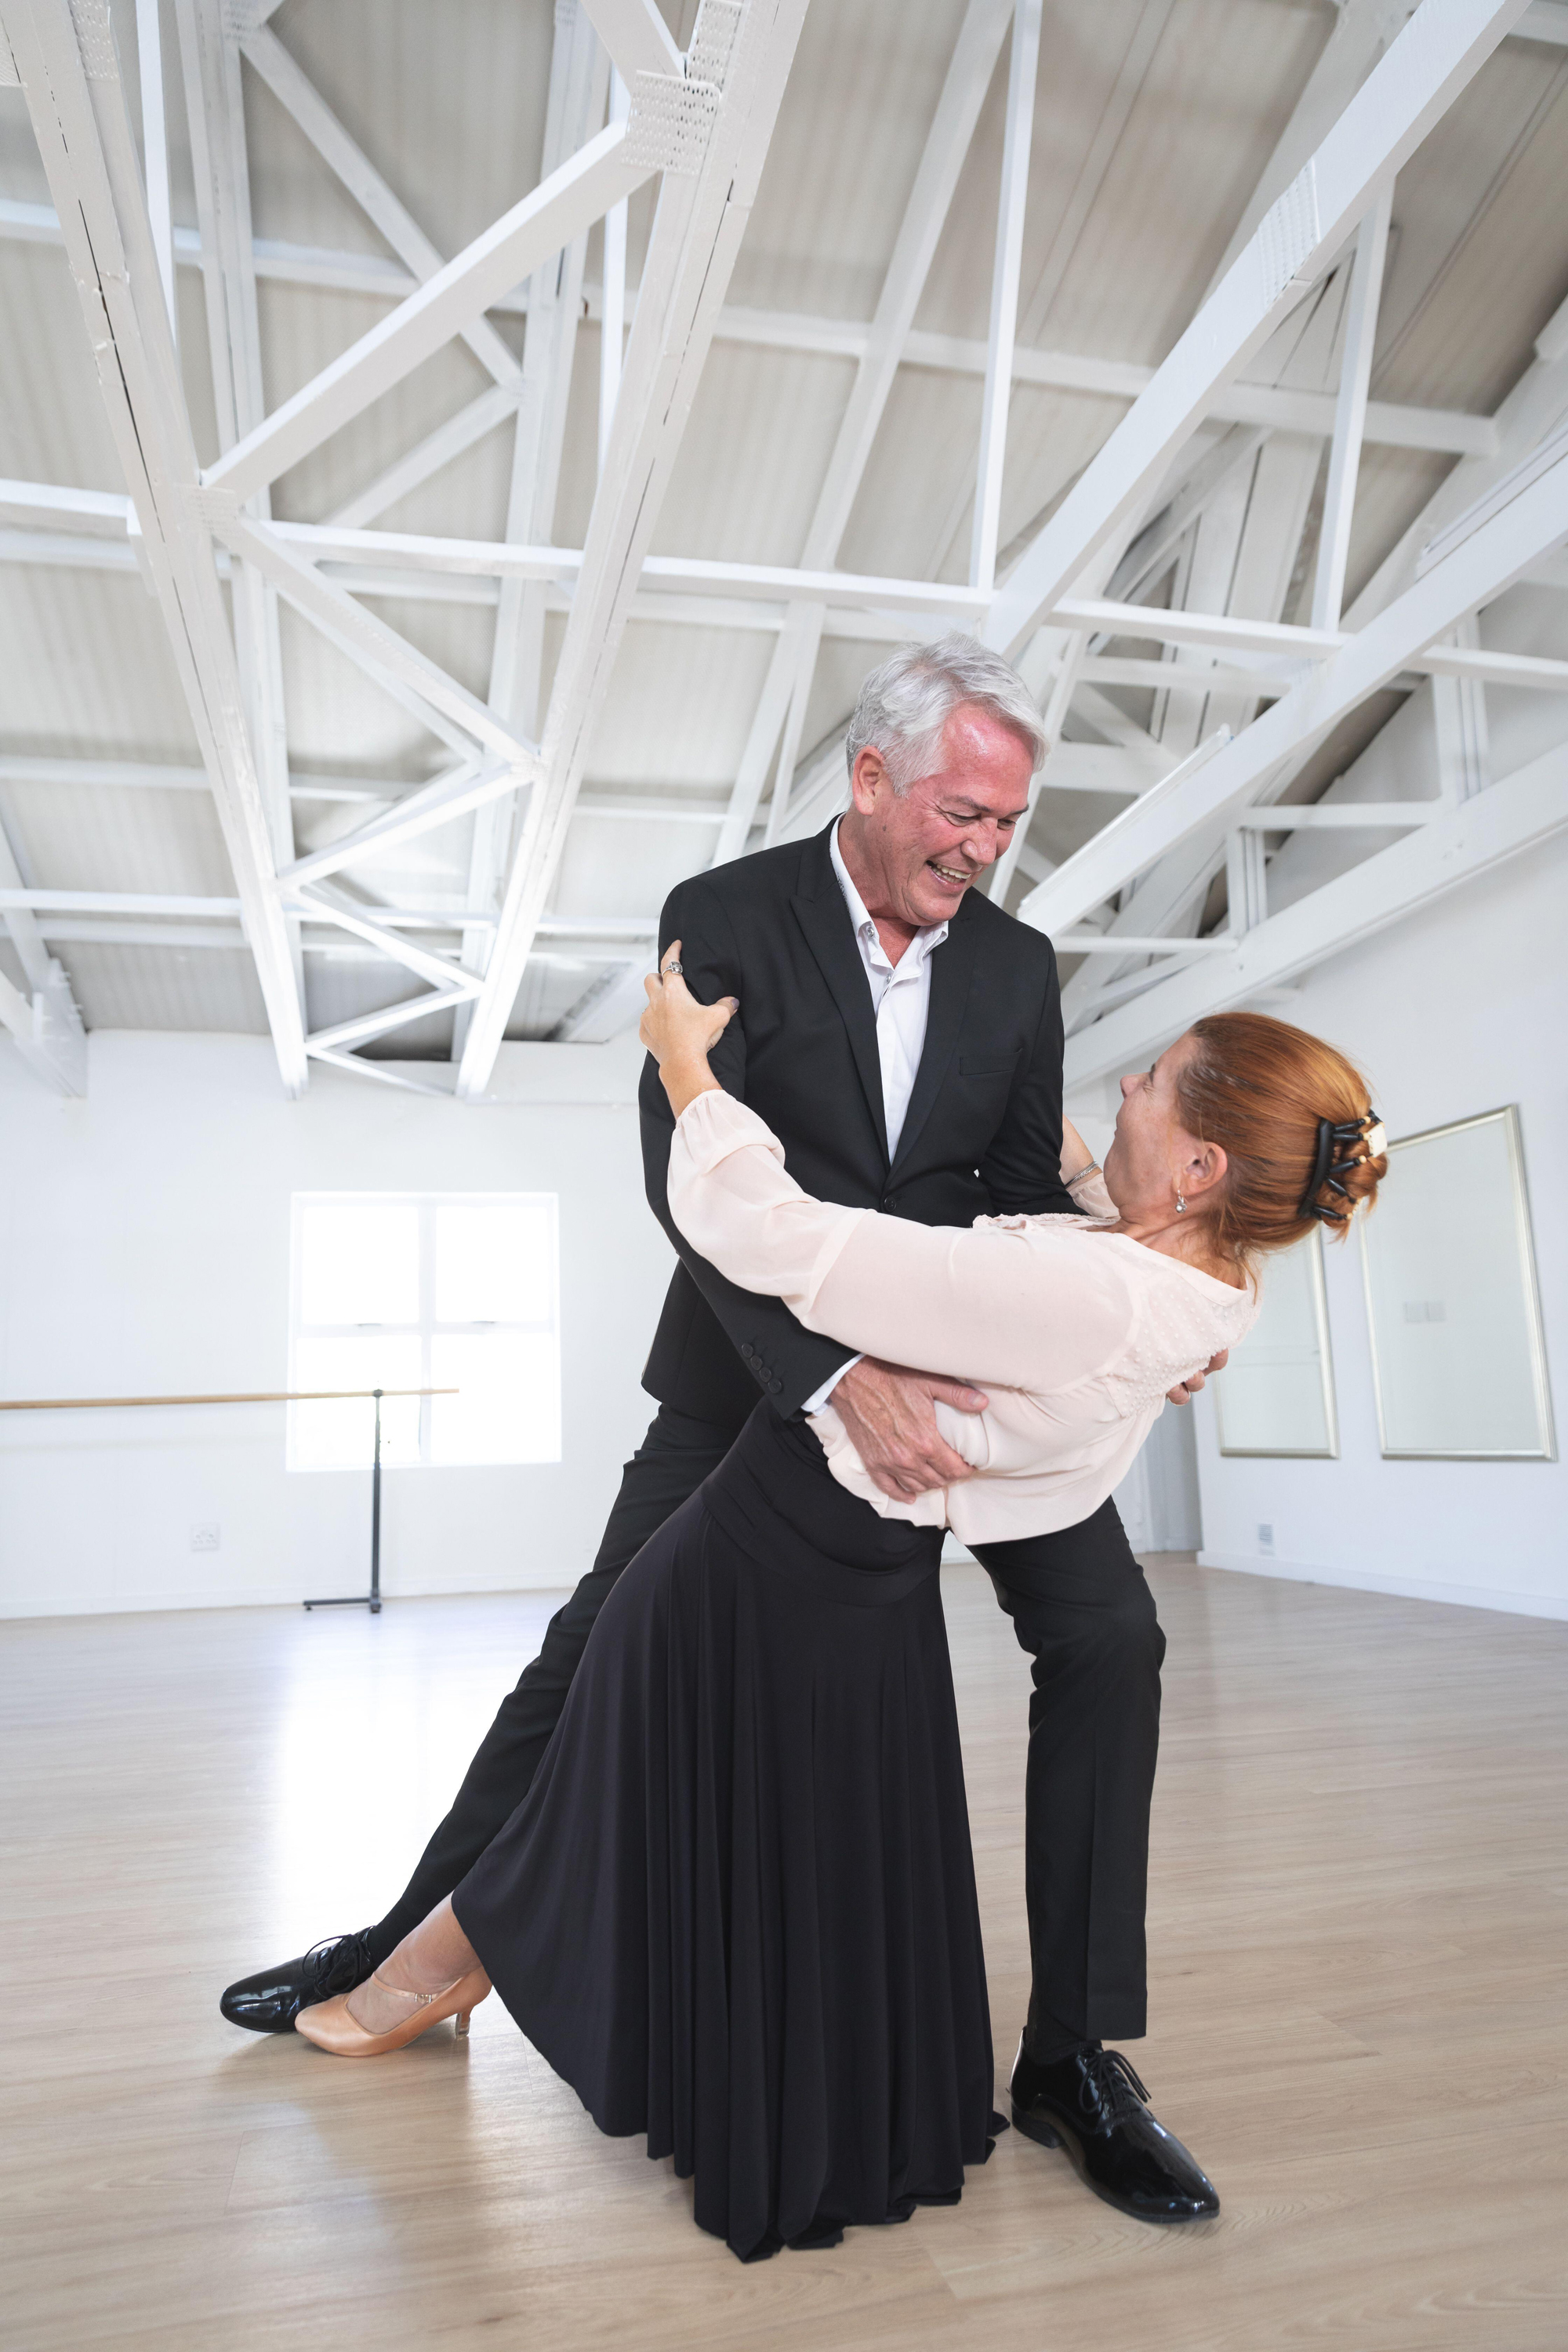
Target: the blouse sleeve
pixel 1088 1193
pixel 1026 1304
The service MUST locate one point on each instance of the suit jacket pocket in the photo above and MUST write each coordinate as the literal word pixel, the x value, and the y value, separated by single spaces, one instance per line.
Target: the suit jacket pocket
pixel 988 1065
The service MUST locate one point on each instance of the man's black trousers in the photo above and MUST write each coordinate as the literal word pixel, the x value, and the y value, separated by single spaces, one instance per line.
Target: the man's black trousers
pixel 1082 1614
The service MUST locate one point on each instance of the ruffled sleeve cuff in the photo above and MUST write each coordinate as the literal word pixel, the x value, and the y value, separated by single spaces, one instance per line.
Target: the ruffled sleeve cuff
pixel 1089 1194
pixel 713 1125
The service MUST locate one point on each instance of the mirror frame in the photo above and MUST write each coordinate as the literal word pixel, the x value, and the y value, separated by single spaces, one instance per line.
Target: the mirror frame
pixel 1525 1238
pixel 1330 1452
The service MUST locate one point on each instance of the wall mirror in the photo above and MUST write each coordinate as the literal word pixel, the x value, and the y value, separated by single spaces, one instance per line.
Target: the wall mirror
pixel 1458 1351
pixel 1277 1394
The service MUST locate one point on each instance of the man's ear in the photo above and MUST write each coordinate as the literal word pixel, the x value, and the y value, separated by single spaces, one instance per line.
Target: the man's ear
pixel 868 773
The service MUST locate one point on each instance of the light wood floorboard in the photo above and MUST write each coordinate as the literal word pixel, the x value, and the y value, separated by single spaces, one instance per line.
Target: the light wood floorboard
pixel 1358 1924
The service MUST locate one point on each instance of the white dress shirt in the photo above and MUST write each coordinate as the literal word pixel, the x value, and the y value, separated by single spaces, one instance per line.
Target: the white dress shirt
pixel 900 999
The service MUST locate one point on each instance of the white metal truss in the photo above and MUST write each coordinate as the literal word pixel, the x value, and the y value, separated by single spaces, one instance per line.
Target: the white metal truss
pixel 1474 574
pixel 216 112
pixel 70 74
pixel 1194 798
pixel 745 58
pixel 1461 843
pixel 578 74
pixel 782 704
pixel 1440 50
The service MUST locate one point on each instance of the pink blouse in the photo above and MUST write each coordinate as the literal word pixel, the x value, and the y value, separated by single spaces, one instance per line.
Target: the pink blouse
pixel 1074 1333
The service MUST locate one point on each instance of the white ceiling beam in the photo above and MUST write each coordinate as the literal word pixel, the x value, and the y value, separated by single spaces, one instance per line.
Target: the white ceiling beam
pixel 300 97
pixel 19 768
pixel 636 38
pixel 676 578
pixel 760 614
pixel 559 209
pixel 1002 334
pixel 702 211
pixel 1439 51
pixel 370 640
pixel 123 904
pixel 615 1003
pixel 1361 32
pixel 1473 575
pixel 84 137
pixel 115 902
pixel 1283 640
pixel 1061 763
pixel 579 75
pixel 1392 423
pixel 470 424
pixel 100 932
pixel 634 805
pixel 674 574
pixel 1350 415
pixel 155 150
pixel 338 1040
pixel 1328 817
pixel 47 1029
pixel 328 908
pixel 463 789
pixel 221 171
pixel 47 506
pixel 948 141
pixel 613 301
pixel 20 920
pixel 804 642
pixel 1461 844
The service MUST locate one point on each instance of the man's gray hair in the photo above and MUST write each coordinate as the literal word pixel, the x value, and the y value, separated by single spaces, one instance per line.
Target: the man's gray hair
pixel 904 704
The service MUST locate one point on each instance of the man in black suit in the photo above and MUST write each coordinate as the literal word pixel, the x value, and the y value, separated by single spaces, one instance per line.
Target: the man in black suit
pixel 902 1036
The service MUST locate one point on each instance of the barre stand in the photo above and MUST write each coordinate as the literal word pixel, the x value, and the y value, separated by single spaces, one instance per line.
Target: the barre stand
pixel 371 1600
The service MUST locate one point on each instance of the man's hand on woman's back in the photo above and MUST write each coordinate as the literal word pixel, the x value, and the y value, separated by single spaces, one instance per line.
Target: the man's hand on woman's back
pixel 890 1415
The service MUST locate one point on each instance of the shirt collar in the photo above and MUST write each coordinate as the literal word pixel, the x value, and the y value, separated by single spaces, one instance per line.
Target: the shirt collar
pixel 923 943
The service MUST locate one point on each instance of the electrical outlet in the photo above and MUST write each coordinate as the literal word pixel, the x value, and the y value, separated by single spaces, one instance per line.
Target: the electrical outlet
pixel 207 1536
pixel 1266 1538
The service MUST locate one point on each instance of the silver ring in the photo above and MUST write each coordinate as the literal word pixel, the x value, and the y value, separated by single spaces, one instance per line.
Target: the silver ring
pixel 673 965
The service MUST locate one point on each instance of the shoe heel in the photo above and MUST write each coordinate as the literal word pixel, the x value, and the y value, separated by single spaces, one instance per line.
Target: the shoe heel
pixel 1033 2128
pixel 463 2017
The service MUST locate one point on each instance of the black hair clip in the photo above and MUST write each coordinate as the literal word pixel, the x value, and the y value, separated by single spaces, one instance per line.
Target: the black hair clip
pixel 1327 1170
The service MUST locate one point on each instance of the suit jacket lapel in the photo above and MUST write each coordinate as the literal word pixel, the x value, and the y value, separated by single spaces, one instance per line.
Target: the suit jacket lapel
pixel 822 915
pixel 952 971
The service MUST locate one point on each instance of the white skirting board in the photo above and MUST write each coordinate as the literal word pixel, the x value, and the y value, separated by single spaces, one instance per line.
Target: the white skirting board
pixel 1407 1588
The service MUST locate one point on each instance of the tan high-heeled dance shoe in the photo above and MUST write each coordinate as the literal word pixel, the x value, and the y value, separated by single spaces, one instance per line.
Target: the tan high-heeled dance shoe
pixel 328 2025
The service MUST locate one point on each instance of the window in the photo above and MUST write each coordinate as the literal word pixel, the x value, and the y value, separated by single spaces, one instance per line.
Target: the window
pixel 425 1290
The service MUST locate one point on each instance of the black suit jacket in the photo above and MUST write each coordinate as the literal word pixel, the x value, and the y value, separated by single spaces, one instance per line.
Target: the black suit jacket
pixel 984 1131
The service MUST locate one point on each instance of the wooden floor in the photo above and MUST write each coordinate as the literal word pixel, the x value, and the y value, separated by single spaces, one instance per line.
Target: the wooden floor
pixel 1358 1930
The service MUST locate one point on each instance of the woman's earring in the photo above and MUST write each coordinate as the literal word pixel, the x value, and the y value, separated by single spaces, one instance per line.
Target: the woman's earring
pixel 1181 1206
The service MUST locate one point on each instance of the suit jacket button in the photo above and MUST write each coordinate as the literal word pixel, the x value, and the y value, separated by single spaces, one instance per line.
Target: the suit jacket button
pixel 774 1387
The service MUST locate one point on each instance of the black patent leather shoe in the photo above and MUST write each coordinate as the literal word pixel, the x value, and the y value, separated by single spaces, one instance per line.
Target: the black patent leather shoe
pixel 271 2000
pixel 1091 2103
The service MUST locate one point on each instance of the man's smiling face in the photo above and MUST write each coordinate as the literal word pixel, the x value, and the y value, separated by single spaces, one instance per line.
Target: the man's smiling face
pixel 913 854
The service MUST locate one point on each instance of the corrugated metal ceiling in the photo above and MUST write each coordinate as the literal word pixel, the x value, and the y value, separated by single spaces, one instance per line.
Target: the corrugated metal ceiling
pixel 1154 118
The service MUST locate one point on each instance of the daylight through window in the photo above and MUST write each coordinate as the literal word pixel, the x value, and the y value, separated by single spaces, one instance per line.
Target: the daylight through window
pixel 409 1290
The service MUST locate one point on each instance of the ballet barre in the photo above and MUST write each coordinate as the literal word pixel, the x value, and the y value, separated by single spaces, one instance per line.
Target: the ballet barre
pixel 371 1600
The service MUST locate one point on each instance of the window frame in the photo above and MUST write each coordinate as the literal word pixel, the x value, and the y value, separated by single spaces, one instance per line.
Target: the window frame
pixel 426 1328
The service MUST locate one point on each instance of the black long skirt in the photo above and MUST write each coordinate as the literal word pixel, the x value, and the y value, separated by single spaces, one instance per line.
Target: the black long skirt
pixel 736 1909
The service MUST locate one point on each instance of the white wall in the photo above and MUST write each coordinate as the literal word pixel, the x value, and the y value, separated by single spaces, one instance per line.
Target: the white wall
pixel 1459 1010
pixel 144 1248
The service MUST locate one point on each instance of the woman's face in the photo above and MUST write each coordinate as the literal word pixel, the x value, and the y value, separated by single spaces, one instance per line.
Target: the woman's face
pixel 1154 1154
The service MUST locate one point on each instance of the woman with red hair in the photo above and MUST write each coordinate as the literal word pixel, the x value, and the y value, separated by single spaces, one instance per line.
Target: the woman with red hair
pixel 736 1909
